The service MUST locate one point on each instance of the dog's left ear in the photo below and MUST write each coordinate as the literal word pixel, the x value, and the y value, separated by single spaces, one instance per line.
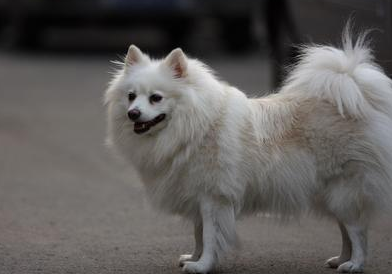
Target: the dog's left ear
pixel 178 62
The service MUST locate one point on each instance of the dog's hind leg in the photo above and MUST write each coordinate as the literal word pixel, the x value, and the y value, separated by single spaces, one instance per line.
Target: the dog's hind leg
pixel 345 253
pixel 357 232
pixel 348 203
pixel 198 231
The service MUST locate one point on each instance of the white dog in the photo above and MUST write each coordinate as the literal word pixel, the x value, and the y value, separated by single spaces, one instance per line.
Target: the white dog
pixel 210 154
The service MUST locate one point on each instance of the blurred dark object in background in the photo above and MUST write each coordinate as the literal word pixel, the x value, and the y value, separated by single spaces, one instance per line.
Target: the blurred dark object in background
pixel 282 37
pixel 201 27
pixel 25 22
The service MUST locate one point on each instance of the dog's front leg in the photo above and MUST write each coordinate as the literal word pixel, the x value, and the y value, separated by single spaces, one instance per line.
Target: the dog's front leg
pixel 198 230
pixel 218 234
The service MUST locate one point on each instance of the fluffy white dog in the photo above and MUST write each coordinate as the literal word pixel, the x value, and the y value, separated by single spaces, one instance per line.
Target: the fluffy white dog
pixel 210 154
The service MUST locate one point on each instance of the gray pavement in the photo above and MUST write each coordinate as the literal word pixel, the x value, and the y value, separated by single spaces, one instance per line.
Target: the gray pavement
pixel 68 206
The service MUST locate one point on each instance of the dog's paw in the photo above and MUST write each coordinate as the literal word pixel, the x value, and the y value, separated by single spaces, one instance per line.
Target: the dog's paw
pixel 350 267
pixel 195 267
pixel 334 262
pixel 185 258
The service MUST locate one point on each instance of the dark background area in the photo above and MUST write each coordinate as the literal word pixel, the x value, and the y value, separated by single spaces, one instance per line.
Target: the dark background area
pixel 201 27
pixel 67 205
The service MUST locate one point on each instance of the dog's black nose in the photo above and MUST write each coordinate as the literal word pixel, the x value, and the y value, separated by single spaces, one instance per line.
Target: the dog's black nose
pixel 134 114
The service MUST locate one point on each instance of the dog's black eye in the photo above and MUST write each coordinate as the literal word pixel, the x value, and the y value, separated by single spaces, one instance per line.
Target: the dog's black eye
pixel 131 96
pixel 155 98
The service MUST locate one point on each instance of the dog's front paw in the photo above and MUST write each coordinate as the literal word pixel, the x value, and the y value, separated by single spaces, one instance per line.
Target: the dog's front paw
pixel 195 267
pixel 350 267
pixel 186 258
pixel 334 262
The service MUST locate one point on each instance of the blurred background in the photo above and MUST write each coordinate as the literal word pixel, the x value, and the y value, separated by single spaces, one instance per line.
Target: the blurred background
pixel 202 27
pixel 67 205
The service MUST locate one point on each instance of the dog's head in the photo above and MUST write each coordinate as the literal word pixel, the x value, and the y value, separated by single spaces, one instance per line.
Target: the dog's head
pixel 162 103
pixel 148 90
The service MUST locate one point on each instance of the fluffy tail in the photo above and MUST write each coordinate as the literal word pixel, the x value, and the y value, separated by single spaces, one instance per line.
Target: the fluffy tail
pixel 350 79
pixel 346 77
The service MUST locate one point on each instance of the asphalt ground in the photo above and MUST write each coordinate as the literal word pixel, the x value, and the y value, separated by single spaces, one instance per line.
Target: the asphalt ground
pixel 68 206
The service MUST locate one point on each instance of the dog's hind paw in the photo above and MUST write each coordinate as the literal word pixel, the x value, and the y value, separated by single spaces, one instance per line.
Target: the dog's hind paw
pixel 195 267
pixel 334 262
pixel 350 267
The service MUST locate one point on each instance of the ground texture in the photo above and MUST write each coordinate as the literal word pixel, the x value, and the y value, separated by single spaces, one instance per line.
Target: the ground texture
pixel 68 206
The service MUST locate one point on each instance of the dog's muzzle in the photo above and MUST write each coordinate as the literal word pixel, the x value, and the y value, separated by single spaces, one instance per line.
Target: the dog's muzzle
pixel 142 127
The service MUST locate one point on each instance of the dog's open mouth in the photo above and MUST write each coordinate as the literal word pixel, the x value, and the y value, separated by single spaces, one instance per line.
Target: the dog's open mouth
pixel 141 127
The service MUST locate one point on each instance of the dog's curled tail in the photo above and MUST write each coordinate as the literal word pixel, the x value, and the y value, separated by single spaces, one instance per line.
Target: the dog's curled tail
pixel 351 80
pixel 346 77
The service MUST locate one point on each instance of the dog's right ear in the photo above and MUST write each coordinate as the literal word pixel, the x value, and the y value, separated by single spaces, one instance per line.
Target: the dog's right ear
pixel 135 56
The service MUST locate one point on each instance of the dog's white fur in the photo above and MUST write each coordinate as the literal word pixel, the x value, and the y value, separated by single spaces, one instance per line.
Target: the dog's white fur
pixel 322 144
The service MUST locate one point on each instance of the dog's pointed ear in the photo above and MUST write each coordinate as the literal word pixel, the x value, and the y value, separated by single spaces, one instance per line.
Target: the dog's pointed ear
pixel 134 56
pixel 178 62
